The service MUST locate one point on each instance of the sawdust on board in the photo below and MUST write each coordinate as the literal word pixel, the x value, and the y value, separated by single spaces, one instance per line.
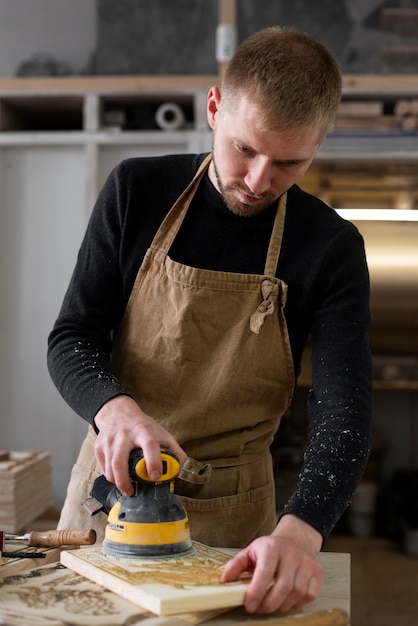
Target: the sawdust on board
pixel 204 567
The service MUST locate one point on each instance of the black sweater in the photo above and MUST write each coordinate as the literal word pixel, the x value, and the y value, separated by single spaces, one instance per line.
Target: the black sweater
pixel 322 261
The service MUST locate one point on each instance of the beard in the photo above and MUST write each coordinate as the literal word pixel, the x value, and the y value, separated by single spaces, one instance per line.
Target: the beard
pixel 240 207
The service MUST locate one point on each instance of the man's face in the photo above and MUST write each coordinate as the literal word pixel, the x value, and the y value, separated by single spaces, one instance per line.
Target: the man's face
pixel 253 166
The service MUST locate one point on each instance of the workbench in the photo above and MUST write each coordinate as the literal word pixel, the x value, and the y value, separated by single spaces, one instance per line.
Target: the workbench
pixel 52 595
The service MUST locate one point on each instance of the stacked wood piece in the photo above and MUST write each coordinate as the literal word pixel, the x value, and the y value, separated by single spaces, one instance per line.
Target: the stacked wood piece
pixel 406 113
pixel 364 115
pixel 365 185
pixel 25 488
pixel 373 115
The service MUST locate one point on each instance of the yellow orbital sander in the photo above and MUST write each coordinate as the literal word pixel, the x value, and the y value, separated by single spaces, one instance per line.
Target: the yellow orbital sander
pixel 151 523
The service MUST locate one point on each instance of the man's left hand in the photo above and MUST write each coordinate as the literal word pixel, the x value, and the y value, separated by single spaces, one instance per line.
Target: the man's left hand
pixel 284 572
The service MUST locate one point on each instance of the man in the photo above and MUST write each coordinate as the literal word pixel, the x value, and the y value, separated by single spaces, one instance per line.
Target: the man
pixel 198 283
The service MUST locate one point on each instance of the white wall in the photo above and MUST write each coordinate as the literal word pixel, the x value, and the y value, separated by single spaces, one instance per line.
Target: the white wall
pixel 41 226
pixel 46 181
pixel 65 29
pixel 42 221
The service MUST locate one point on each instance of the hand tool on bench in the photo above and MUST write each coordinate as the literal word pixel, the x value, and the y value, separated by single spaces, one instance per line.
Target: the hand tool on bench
pixel 17 555
pixel 55 538
pixel 45 539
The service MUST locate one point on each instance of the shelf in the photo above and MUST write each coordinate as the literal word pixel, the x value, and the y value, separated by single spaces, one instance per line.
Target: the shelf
pixel 368 146
pixel 84 103
pixel 103 137
pixel 71 85
pixel 95 103
pixel 358 85
pixel 42 113
pixel 380 85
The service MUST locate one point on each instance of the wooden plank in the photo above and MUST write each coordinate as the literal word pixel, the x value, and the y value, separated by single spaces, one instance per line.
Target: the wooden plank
pixel 406 107
pixel 53 595
pixel 383 123
pixel 368 180
pixel 331 617
pixel 361 108
pixel 25 488
pixel 166 587
pixel 162 586
pixel 12 567
pixel 400 55
pixel 71 85
pixel 381 85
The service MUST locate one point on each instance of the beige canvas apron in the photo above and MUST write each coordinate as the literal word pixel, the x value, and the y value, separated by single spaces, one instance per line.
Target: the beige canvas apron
pixel 207 355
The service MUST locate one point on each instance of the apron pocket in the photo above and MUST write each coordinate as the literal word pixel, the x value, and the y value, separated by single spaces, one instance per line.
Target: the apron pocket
pixel 232 521
pixel 83 474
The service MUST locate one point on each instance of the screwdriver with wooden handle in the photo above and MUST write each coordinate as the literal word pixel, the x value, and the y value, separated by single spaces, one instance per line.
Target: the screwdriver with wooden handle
pixel 54 538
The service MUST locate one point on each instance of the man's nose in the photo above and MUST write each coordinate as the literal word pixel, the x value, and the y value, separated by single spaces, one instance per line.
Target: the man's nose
pixel 258 177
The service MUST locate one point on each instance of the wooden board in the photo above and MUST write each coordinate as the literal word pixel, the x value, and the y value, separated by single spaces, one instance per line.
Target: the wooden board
pixel 25 488
pixel 14 566
pixel 163 586
pixel 167 587
pixel 360 108
pixel 53 595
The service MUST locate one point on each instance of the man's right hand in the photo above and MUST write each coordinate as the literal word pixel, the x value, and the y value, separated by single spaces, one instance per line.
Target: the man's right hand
pixel 123 427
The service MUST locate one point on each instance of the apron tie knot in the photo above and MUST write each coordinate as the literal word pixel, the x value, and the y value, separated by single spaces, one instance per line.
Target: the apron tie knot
pixel 194 471
pixel 270 292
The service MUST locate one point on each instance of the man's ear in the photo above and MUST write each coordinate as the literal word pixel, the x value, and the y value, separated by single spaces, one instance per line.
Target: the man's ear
pixel 213 104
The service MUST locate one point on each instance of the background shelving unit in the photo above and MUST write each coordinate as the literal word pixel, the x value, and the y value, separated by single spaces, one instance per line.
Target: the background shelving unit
pixel 58 143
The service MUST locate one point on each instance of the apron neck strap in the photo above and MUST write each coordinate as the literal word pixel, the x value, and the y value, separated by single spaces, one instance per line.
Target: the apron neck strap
pixel 170 226
pixel 273 251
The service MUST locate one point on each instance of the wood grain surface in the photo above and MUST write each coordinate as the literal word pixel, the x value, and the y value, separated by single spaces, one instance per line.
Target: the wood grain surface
pixel 52 595
pixel 171 586
pixel 162 586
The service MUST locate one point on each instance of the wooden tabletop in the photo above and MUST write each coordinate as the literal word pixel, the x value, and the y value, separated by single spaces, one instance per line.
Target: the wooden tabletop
pixel 52 595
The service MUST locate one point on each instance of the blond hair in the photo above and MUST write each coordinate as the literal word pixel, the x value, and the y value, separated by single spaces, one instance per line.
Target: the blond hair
pixel 293 78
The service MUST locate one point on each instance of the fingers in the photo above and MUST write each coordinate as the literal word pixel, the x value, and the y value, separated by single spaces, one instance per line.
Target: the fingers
pixel 123 426
pixel 284 592
pixel 283 576
pixel 151 443
pixel 152 455
pixel 112 452
pixel 236 567
pixel 312 591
